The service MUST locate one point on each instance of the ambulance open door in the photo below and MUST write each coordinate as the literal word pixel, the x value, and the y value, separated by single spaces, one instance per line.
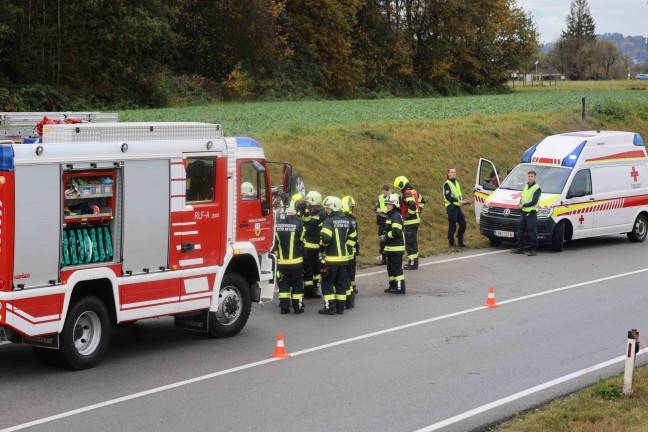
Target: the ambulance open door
pixel 485 184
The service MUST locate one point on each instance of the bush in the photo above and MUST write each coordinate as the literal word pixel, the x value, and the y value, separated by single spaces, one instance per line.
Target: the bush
pixel 612 110
pixel 40 97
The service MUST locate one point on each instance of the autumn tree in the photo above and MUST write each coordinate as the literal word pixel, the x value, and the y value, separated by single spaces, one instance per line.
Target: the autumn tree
pixel 578 39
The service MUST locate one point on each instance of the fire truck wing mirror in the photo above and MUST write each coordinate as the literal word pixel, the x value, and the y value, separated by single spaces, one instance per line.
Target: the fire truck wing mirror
pixel 265 208
pixel 287 179
pixel 257 166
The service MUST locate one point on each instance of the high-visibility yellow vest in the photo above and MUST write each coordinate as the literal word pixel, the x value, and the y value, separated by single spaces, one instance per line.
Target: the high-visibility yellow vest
pixel 455 189
pixel 527 197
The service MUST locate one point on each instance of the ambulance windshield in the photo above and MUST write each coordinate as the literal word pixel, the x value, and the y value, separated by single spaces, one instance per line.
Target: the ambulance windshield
pixel 551 179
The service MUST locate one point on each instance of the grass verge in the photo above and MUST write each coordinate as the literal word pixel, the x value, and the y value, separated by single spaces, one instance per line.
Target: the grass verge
pixel 598 408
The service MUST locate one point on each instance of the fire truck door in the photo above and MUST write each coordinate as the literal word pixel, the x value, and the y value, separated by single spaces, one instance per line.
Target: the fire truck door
pixel 199 236
pixel 254 218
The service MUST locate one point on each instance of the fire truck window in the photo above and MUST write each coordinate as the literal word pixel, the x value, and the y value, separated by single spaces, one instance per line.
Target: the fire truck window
pixel 200 180
pixel 249 184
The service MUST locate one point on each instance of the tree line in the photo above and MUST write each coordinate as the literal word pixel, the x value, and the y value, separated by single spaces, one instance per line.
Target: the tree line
pixel 155 53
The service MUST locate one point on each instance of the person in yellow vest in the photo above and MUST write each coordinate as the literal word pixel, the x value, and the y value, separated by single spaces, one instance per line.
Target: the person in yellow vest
pixel 380 209
pixel 454 199
pixel 528 214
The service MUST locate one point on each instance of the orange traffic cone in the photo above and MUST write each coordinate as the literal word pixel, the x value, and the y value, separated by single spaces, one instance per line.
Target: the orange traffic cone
pixel 280 350
pixel 490 302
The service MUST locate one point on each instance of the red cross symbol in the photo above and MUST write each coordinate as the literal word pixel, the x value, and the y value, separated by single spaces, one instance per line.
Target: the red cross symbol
pixel 634 174
pixel 581 219
pixel 517 195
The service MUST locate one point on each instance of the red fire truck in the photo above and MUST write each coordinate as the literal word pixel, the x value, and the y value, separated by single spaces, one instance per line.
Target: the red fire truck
pixel 108 223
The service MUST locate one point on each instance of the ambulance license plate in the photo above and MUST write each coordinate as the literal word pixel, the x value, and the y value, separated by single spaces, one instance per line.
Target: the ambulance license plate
pixel 507 234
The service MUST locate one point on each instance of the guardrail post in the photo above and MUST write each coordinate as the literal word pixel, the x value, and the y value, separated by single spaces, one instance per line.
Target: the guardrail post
pixel 633 348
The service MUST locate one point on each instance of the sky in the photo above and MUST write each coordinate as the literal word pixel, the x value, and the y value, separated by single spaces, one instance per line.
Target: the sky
pixel 628 17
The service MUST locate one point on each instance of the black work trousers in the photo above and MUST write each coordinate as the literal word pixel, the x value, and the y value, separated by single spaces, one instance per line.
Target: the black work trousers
pixel 395 270
pixel 312 269
pixel 411 241
pixel 455 216
pixel 292 278
pixel 528 222
pixel 334 286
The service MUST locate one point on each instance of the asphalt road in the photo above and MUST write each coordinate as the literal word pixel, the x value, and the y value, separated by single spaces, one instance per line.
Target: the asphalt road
pixel 434 358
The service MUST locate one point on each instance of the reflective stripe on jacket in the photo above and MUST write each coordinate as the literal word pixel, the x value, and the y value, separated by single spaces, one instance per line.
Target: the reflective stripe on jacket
pixel 289 235
pixel 337 239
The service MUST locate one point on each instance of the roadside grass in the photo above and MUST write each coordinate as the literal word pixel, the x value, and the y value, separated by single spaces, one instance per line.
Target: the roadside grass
pixel 339 152
pixel 598 408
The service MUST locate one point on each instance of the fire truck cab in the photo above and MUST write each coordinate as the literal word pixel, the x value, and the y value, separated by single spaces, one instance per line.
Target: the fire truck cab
pixel 107 223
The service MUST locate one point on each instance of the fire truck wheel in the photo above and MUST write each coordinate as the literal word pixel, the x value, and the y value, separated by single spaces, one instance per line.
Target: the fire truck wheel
pixel 639 229
pixel 84 339
pixel 234 307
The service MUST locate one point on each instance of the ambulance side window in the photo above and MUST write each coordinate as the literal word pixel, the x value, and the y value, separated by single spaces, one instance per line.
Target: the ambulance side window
pixel 581 185
pixel 200 183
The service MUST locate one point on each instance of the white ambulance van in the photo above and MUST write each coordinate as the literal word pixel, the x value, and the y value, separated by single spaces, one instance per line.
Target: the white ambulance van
pixel 593 183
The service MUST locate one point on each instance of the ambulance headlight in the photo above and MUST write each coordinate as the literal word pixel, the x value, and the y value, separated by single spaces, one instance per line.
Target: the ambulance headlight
pixel 485 208
pixel 544 213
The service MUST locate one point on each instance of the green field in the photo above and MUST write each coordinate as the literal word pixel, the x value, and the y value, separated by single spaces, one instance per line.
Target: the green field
pixel 255 118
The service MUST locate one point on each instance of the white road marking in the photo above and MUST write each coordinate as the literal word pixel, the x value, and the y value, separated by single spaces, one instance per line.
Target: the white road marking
pixel 322 347
pixel 527 392
pixel 438 262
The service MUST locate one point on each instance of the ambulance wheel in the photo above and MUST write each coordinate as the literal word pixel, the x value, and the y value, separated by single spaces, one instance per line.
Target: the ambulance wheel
pixel 558 238
pixel 84 339
pixel 495 242
pixel 234 307
pixel 639 229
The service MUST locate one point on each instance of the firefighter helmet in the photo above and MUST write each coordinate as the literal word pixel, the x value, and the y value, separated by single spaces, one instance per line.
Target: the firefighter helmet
pixel 247 190
pixel 348 203
pixel 314 198
pixel 332 202
pixel 392 199
pixel 297 197
pixel 400 182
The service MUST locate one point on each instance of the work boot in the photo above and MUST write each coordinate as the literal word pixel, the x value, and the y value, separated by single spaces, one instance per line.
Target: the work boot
pixel 327 309
pixel 298 307
pixel 350 301
pixel 452 244
pixel 412 265
pixel 339 306
pixel 533 252
pixel 461 244
pixel 517 251
pixel 284 311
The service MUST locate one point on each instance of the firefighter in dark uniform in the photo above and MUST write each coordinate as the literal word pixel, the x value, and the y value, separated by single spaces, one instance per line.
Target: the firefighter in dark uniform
pixel 381 213
pixel 289 241
pixel 348 204
pixel 336 244
pixel 529 214
pixel 313 225
pixel 411 206
pixel 394 246
pixel 453 200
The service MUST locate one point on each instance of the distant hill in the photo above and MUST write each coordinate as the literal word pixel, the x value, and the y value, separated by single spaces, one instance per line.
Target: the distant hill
pixel 632 46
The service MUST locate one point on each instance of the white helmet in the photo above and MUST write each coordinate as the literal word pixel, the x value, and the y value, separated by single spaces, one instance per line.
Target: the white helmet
pixel 392 199
pixel 314 198
pixel 247 189
pixel 334 203
pixel 290 210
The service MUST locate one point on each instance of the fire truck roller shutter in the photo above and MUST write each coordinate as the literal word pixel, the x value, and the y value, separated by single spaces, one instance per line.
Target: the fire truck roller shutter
pixel 37 225
pixel 146 215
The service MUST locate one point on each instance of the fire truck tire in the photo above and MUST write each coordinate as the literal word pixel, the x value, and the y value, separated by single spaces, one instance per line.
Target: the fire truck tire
pixel 84 339
pixel 558 238
pixel 639 229
pixel 234 305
